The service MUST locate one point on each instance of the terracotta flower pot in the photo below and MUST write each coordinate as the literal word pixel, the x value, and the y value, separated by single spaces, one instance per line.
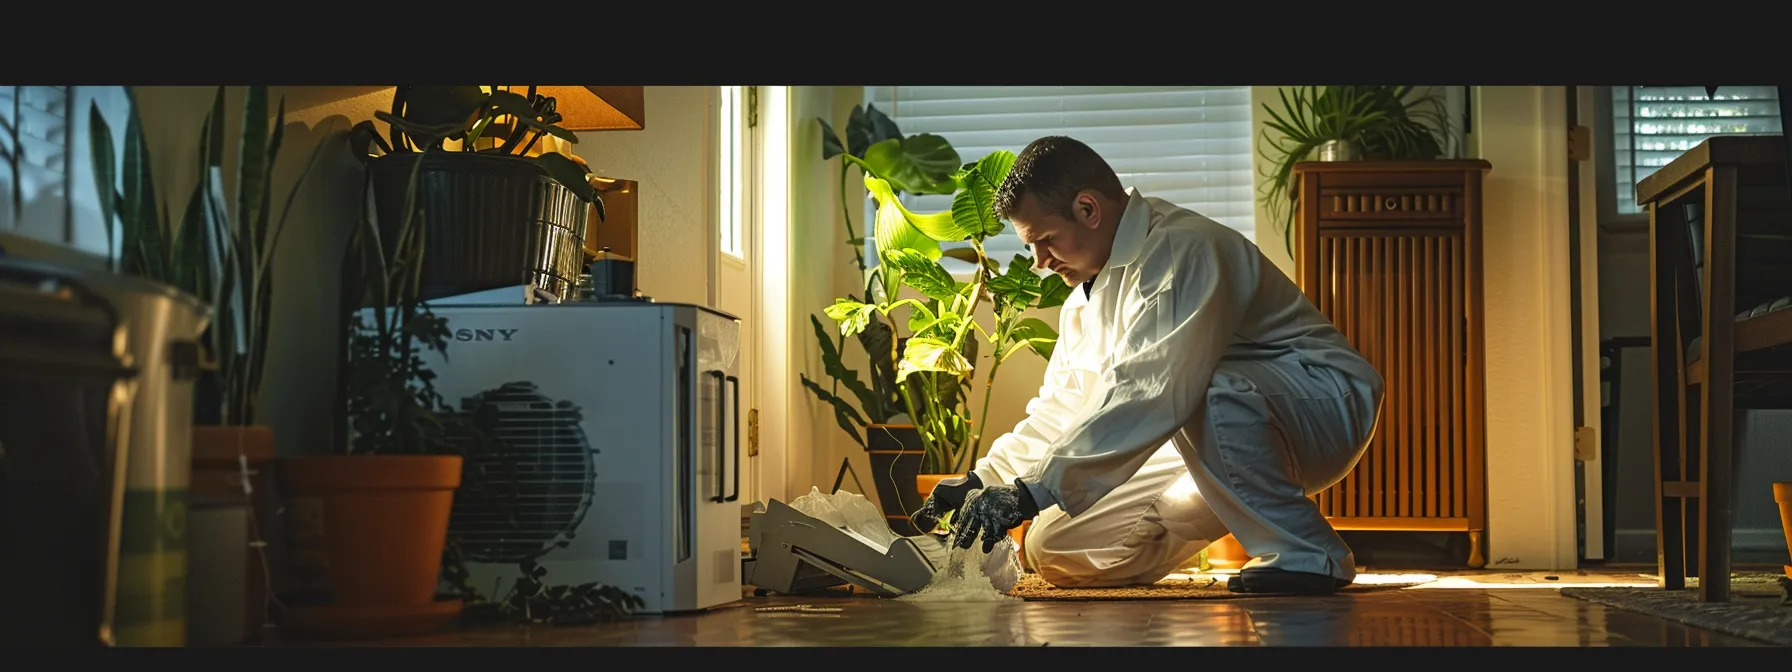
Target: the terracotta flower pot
pixel 366 536
pixel 1227 553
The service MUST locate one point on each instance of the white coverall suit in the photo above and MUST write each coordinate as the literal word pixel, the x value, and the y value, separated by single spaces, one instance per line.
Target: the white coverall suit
pixel 1193 391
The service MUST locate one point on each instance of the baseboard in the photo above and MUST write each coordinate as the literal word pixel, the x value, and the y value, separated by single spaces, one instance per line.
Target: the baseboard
pixel 1751 545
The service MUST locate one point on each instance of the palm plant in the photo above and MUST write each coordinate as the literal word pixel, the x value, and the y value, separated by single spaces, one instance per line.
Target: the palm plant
pixel 1381 123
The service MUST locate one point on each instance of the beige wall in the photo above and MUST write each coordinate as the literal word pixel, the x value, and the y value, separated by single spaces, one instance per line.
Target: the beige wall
pixel 1522 131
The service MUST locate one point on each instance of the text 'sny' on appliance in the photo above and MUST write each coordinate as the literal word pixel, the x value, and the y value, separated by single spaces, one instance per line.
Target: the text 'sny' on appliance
pixel 617 452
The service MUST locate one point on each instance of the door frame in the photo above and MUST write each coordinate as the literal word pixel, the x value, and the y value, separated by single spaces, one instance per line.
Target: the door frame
pixel 771 241
pixel 765 139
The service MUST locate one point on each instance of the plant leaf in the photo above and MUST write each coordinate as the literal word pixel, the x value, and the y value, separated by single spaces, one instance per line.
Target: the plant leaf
pixel 105 172
pixel 442 105
pixel 139 207
pixel 882 127
pixel 858 132
pixel 918 164
pixel 422 134
pixel 252 168
pixel 973 207
pixel 830 359
pixel 1052 291
pixel 930 354
pixel 1038 335
pixel 830 141
pixel 895 229
pixel 851 315
pixel 844 414
pixel 879 341
pixel 899 228
pixel 363 138
pixel 519 108
pixel 572 174
pixel 924 274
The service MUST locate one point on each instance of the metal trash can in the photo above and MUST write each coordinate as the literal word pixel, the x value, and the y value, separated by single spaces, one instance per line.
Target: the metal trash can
pixel 96 412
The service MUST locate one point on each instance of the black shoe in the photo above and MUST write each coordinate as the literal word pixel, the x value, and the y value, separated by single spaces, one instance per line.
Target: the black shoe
pixel 1283 582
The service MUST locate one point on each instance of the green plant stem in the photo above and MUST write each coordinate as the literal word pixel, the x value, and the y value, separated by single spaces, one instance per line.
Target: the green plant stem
pixel 908 401
pixel 989 385
pixel 973 435
pixel 936 421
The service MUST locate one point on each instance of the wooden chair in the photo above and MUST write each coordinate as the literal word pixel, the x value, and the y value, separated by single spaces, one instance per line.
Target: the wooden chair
pixel 1720 253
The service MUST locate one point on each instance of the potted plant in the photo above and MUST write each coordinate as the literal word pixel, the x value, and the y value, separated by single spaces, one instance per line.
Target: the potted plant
pixel 501 186
pixel 1345 123
pixel 367 525
pixel 920 164
pixel 222 253
pixel 399 469
pixel 933 365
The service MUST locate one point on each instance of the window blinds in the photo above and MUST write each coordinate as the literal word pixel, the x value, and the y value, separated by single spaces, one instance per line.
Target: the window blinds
pixel 1188 145
pixel 1653 125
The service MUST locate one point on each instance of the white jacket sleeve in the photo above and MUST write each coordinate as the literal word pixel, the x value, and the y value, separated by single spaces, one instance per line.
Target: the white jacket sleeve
pixel 1017 451
pixel 1190 299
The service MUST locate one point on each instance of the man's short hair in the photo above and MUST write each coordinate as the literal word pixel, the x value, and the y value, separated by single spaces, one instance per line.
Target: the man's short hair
pixel 1053 169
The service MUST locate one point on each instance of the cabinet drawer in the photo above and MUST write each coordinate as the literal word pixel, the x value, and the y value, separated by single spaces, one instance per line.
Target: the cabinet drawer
pixel 1345 205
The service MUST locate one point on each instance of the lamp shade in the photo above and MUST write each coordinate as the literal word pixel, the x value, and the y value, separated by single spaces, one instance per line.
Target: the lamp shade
pixel 597 108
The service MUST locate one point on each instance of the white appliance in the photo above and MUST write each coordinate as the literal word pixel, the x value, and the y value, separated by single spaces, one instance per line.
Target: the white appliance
pixel 621 422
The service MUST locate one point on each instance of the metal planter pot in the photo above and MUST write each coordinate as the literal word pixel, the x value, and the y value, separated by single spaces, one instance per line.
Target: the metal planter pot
pixel 491 221
pixel 1336 150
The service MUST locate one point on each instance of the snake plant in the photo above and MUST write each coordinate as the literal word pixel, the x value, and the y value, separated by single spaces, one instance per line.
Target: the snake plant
pixel 220 254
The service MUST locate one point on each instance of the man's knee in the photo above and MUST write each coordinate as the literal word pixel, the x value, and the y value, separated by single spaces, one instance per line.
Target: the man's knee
pixel 1066 555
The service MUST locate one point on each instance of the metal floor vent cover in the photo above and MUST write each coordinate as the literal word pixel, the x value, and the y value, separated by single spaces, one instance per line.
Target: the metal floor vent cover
pixel 534 473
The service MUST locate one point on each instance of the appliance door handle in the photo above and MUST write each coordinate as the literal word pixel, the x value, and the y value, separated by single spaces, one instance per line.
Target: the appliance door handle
pixel 721 443
pixel 736 495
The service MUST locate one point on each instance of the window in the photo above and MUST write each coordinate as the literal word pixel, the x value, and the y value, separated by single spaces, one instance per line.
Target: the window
pixel 732 175
pixel 1188 145
pixel 1653 125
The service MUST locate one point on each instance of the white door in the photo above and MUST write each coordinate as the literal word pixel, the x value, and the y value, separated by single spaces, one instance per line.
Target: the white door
pixel 749 269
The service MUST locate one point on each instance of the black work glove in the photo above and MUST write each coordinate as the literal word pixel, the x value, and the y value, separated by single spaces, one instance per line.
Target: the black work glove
pixel 993 511
pixel 946 497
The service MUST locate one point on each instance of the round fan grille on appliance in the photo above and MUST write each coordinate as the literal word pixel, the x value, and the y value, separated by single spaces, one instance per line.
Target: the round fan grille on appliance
pixel 528 483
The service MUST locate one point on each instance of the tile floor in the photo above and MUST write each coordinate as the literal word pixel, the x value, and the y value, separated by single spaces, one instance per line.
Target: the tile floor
pixel 1459 609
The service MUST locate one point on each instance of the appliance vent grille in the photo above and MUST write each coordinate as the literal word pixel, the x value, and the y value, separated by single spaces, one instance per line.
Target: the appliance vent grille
pixel 527 485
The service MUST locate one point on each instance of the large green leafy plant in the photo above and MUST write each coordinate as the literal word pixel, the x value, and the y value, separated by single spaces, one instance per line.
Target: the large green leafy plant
pixel 1381 123
pixel 936 361
pixel 220 254
pixel 918 164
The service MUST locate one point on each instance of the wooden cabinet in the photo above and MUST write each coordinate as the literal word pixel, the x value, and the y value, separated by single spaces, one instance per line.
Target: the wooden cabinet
pixel 1391 252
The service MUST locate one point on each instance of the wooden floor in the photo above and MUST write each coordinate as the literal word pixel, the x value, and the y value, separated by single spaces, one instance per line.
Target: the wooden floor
pixel 1458 609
